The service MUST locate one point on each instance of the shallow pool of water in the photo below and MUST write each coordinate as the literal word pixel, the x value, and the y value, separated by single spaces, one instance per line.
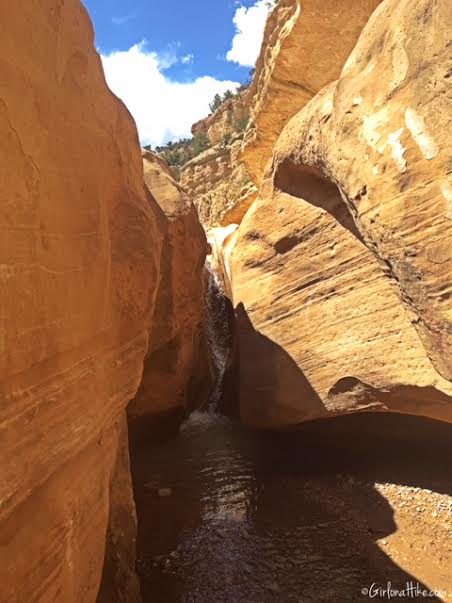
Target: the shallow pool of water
pixel 227 515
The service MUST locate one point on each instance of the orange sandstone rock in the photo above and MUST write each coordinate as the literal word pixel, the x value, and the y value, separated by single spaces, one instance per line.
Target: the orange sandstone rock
pixel 342 269
pixel 219 186
pixel 80 251
pixel 216 181
pixel 306 43
pixel 229 118
pixel 175 352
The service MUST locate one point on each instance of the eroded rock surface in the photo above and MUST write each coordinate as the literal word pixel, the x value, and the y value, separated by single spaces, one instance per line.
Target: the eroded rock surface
pixel 305 45
pixel 222 240
pixel 342 269
pixel 216 180
pixel 79 263
pixel 176 350
pixel 229 118
pixel 219 186
pixel 119 579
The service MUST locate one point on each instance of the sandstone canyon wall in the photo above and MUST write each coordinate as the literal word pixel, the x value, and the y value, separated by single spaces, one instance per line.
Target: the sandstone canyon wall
pixel 231 116
pixel 305 46
pixel 342 269
pixel 176 368
pixel 216 180
pixel 85 273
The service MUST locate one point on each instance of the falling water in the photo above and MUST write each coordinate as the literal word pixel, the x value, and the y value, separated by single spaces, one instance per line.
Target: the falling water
pixel 218 324
pixel 231 516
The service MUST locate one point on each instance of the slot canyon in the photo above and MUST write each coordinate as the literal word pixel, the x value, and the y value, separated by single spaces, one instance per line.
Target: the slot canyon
pixel 230 379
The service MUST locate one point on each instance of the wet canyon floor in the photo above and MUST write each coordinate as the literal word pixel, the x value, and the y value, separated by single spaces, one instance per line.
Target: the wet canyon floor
pixel 321 514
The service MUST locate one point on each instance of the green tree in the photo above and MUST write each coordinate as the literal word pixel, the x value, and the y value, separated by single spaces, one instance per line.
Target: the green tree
pixel 227 95
pixel 200 144
pixel 216 103
pixel 178 153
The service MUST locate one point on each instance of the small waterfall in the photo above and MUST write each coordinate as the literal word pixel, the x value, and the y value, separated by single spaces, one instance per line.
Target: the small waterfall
pixel 218 325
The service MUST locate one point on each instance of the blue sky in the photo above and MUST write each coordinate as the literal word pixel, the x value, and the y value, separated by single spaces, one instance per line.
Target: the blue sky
pixel 167 58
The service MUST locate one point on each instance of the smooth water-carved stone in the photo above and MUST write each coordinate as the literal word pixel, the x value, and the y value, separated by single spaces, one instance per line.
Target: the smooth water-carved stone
pixel 342 269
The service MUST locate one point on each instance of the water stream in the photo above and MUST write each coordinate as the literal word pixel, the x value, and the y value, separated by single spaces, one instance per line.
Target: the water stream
pixel 229 515
pixel 248 517
pixel 218 332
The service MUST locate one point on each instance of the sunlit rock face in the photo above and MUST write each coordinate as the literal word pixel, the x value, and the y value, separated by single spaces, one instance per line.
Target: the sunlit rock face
pixel 222 241
pixel 80 251
pixel 306 44
pixel 219 185
pixel 216 181
pixel 175 369
pixel 230 117
pixel 342 269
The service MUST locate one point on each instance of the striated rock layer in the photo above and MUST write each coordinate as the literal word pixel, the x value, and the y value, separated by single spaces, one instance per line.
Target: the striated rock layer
pixel 342 270
pixel 216 181
pixel 176 367
pixel 306 43
pixel 80 249
pixel 219 185
pixel 228 119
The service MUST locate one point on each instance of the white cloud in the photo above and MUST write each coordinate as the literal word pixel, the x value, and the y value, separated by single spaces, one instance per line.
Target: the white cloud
pixel 187 59
pixel 249 27
pixel 163 109
pixel 166 58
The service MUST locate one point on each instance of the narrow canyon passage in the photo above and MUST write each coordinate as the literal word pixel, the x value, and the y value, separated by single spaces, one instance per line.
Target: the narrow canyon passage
pixel 229 515
pixel 225 301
